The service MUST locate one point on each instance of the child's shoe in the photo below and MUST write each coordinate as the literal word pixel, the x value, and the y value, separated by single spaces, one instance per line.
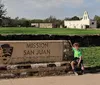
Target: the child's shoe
pixel 76 74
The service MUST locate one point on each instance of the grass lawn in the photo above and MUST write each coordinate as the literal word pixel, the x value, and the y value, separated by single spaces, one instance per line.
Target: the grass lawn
pixel 55 31
pixel 91 56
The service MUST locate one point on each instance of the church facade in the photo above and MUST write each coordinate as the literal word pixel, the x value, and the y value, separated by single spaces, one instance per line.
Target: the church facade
pixel 84 23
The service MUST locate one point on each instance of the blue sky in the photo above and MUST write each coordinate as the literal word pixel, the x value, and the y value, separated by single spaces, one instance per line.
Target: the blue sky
pixel 44 8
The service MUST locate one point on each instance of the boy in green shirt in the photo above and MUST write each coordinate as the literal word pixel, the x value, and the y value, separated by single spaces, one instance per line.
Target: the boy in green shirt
pixel 77 58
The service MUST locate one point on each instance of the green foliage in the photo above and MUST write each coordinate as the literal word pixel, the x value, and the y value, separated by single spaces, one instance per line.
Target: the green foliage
pixel 73 18
pixel 97 18
pixel 27 24
pixel 9 22
pixel 2 12
pixel 91 56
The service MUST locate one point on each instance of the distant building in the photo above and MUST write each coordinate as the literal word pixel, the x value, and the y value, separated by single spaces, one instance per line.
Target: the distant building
pixel 42 25
pixel 45 25
pixel 35 25
pixel 84 23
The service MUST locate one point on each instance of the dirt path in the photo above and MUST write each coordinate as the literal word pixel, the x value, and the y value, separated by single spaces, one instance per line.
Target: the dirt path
pixel 88 79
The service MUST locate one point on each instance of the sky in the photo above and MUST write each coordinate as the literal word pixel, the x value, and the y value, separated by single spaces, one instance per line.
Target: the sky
pixel 31 9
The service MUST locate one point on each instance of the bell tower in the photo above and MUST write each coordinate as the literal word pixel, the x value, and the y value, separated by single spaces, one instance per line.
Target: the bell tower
pixel 85 16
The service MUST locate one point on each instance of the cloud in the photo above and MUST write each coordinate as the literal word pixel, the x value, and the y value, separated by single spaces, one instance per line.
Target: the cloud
pixel 50 3
pixel 29 8
pixel 42 3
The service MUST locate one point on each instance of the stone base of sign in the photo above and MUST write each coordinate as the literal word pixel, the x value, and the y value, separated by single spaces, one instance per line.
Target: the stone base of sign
pixel 43 69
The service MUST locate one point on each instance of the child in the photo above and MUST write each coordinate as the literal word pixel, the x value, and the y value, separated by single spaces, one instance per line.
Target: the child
pixel 77 58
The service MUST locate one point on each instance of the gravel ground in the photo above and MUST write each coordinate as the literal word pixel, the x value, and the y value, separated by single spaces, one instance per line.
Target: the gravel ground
pixel 87 79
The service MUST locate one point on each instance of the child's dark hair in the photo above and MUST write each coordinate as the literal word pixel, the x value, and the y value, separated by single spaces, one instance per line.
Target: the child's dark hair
pixel 76 45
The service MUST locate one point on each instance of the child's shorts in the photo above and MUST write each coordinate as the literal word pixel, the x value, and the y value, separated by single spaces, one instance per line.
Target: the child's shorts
pixel 76 61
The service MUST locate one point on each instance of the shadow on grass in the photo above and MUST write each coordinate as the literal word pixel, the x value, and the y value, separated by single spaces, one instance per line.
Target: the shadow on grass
pixel 93 70
pixel 89 70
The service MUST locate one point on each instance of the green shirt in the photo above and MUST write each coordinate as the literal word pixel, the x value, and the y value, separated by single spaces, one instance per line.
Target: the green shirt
pixel 77 53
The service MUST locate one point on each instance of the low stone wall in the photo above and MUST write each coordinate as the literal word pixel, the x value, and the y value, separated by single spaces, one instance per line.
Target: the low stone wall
pixel 84 40
pixel 40 69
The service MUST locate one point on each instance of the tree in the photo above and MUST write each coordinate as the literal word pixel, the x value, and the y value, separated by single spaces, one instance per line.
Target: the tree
pixel 51 19
pixel 97 18
pixel 6 22
pixel 27 23
pixel 56 22
pixel 73 18
pixel 2 12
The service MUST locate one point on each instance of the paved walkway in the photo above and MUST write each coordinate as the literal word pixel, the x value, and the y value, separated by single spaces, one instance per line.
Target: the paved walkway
pixel 88 79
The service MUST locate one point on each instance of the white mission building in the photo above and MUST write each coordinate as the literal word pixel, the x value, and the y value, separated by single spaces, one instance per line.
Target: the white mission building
pixel 84 23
